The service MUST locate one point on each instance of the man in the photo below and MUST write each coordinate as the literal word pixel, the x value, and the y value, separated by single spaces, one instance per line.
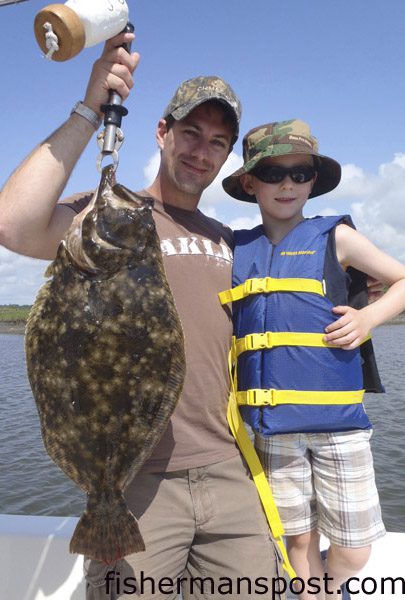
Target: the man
pixel 198 509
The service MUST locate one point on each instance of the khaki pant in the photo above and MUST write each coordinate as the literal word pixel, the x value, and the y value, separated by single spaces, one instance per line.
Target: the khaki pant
pixel 205 535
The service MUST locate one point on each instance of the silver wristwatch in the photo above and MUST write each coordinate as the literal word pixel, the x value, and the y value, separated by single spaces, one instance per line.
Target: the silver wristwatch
pixel 87 113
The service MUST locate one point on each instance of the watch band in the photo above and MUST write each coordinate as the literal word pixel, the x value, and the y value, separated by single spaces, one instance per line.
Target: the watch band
pixel 87 113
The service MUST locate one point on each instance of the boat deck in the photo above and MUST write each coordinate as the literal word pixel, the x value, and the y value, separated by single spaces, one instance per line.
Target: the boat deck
pixel 36 564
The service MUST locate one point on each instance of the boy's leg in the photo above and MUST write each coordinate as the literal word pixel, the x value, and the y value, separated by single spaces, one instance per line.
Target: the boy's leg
pixel 303 551
pixel 343 563
pixel 286 461
pixel 349 513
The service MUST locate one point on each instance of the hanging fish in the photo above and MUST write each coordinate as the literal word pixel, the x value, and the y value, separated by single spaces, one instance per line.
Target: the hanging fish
pixel 105 359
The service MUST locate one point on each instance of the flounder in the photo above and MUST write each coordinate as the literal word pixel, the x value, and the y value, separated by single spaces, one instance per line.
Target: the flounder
pixel 105 359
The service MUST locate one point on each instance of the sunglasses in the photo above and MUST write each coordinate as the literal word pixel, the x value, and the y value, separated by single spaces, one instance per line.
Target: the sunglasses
pixel 276 174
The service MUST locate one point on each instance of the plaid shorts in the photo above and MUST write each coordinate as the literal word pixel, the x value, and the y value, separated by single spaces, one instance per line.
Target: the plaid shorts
pixel 324 481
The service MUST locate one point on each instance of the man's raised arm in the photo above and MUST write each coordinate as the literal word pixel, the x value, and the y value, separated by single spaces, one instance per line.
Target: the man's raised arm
pixel 31 221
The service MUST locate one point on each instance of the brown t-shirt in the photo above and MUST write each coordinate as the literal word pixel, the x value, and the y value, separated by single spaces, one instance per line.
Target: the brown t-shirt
pixel 198 260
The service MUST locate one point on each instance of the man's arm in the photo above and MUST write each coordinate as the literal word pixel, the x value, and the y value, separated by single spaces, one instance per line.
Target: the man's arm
pixel 31 221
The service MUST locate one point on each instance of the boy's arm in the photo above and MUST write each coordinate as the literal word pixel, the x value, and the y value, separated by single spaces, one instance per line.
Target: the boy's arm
pixel 31 221
pixel 355 250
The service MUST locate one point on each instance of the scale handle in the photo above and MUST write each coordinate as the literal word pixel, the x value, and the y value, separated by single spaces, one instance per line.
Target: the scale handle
pixel 114 111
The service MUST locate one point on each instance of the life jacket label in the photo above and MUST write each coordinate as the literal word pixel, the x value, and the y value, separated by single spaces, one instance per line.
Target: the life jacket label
pixel 296 252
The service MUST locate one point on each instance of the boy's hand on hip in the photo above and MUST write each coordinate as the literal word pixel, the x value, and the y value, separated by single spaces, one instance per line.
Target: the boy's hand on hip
pixel 350 330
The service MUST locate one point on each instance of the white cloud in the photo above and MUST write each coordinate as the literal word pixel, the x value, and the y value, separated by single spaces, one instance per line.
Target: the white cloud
pixel 327 212
pixel 211 212
pixel 151 168
pixel 378 203
pixel 354 182
pixel 20 277
pixel 215 194
pixel 245 222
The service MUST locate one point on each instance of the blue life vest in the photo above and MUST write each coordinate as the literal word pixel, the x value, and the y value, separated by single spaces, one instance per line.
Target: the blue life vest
pixel 278 362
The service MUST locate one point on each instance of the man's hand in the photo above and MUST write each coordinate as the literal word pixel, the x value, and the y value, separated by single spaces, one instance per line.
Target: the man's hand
pixel 375 289
pixel 350 330
pixel 112 71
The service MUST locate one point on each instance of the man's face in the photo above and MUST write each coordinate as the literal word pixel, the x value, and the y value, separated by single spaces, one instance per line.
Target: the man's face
pixel 194 149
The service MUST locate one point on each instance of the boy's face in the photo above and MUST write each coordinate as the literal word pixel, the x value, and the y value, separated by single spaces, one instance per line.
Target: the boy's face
pixel 284 200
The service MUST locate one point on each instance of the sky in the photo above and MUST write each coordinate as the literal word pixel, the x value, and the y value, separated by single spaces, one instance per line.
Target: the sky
pixel 337 64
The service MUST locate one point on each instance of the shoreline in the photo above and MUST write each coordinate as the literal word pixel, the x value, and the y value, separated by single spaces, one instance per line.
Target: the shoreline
pixel 11 327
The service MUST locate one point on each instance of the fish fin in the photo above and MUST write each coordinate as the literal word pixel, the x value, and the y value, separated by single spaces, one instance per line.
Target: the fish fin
pixel 49 271
pixel 107 530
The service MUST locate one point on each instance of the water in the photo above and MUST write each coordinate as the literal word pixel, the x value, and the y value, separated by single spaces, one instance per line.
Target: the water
pixel 30 483
pixel 387 414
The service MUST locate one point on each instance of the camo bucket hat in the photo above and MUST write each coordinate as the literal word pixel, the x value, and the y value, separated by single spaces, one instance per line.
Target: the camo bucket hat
pixel 196 91
pixel 279 139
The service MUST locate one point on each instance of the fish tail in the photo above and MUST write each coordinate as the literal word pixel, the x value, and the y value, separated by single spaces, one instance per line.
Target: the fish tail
pixel 107 530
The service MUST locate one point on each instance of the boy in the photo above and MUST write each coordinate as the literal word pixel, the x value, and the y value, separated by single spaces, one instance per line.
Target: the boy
pixel 299 377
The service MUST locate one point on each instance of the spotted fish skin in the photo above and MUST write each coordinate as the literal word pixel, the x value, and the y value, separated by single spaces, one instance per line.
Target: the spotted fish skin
pixel 105 359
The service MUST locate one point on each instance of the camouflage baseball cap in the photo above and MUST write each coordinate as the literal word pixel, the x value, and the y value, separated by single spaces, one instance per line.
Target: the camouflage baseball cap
pixel 280 139
pixel 196 91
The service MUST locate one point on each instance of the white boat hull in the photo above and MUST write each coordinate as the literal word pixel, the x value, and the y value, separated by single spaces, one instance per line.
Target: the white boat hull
pixel 36 565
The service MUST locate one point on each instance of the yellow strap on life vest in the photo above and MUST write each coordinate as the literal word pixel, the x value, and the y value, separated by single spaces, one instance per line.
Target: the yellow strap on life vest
pixel 266 285
pixel 271 397
pixel 271 339
pixel 239 432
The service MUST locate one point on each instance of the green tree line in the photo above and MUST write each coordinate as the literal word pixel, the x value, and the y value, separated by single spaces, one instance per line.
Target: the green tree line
pixel 14 313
